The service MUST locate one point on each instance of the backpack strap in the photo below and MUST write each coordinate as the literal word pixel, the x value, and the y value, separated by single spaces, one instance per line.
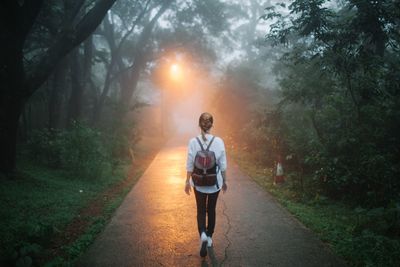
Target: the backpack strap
pixel 209 145
pixel 212 139
pixel 201 145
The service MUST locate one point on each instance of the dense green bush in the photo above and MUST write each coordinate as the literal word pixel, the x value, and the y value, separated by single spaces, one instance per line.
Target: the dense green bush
pixel 44 146
pixel 345 79
pixel 370 249
pixel 32 237
pixel 84 151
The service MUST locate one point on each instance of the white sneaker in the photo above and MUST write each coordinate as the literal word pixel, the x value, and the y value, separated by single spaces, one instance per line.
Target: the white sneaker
pixel 203 244
pixel 203 237
pixel 209 241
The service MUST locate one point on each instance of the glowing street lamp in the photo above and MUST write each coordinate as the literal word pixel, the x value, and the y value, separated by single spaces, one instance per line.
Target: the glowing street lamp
pixel 172 78
pixel 175 72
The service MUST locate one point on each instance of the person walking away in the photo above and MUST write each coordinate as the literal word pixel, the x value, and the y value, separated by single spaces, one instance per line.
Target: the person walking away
pixel 206 173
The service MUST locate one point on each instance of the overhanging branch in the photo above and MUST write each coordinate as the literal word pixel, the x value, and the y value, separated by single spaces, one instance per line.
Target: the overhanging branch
pixel 67 41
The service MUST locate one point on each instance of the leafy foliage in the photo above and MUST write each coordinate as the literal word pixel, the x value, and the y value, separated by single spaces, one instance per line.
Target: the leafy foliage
pixel 361 236
pixel 38 205
pixel 337 69
pixel 333 121
pixel 84 151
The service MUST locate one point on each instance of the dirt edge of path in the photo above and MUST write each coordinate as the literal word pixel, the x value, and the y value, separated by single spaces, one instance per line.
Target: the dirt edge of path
pixel 97 207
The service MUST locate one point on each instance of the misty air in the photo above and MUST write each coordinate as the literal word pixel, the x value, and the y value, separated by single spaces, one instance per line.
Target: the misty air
pixel 199 133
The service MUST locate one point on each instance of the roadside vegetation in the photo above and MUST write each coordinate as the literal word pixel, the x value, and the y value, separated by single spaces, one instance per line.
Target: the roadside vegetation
pixel 361 236
pixel 311 84
pixel 67 187
pixel 328 111
pixel 80 112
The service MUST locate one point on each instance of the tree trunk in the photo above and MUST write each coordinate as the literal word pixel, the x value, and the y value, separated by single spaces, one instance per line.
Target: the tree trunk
pixel 109 35
pixel 87 82
pixel 24 126
pixel 10 111
pixel 98 108
pixel 316 128
pixel 140 58
pixel 75 100
pixel 129 88
pixel 59 81
pixel 87 62
pixel 17 83
pixel 11 97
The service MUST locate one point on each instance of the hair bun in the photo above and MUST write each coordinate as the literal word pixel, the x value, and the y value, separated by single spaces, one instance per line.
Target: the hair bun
pixel 205 123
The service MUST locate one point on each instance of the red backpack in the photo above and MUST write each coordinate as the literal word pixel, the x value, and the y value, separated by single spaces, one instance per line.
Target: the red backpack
pixel 205 166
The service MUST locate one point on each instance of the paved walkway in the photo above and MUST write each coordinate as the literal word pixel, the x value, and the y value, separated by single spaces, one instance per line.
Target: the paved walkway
pixel 156 225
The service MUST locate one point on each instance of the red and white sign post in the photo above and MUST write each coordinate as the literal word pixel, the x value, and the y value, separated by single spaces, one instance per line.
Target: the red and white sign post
pixel 279 175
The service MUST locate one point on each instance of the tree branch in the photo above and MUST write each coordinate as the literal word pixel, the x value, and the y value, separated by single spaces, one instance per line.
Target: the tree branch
pixel 139 18
pixel 67 41
pixel 72 10
pixel 29 12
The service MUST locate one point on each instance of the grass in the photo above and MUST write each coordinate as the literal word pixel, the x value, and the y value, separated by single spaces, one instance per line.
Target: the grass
pixel 350 233
pixel 49 217
pixel 40 203
pixel 76 248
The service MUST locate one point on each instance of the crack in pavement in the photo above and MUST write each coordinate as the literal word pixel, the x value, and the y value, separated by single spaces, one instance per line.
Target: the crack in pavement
pixel 226 233
pixel 264 236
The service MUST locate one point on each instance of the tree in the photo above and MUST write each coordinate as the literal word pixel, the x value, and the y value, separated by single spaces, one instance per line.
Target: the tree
pixel 21 77
pixel 340 67
pixel 116 59
pixel 133 45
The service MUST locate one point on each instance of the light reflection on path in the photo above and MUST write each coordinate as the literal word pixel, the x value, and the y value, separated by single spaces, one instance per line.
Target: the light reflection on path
pixel 156 225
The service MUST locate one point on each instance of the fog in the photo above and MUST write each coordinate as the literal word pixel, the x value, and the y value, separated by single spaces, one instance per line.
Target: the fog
pixel 179 106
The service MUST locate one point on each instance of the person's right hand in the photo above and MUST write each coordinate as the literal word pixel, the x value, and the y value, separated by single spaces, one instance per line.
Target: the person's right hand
pixel 224 188
pixel 187 188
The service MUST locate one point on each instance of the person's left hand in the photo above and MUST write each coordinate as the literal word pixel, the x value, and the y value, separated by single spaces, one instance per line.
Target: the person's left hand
pixel 188 188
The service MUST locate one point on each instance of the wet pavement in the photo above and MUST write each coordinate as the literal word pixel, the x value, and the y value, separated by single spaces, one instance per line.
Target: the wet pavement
pixel 156 225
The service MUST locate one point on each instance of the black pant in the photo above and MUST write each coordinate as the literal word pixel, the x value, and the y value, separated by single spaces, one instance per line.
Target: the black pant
pixel 206 203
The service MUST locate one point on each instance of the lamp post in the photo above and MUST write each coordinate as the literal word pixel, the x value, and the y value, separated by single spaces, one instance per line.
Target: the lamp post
pixel 173 76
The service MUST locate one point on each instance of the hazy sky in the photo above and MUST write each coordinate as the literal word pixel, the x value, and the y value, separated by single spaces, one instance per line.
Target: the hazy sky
pixel 230 46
